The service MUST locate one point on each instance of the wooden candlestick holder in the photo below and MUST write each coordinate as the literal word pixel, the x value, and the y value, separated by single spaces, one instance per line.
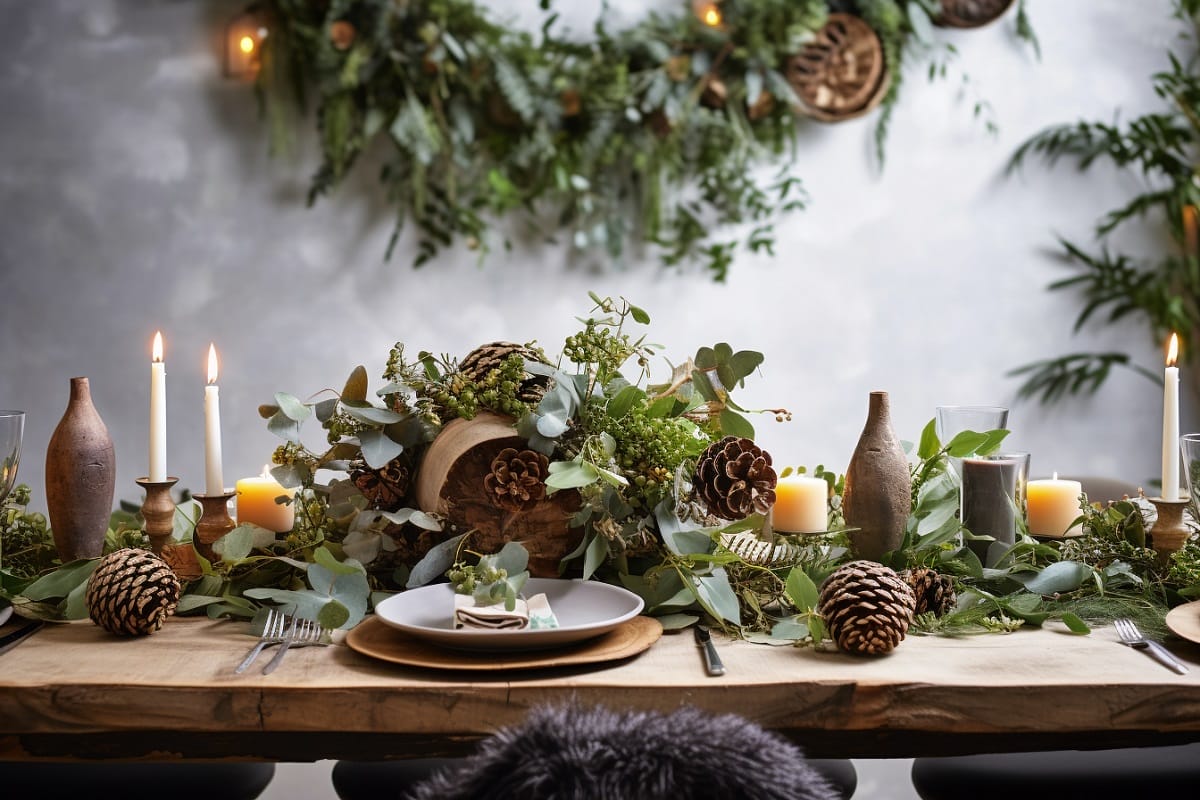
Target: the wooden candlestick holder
pixel 158 510
pixel 214 522
pixel 1169 532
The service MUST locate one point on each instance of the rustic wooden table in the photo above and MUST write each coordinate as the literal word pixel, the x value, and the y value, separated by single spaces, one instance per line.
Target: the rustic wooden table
pixel 72 690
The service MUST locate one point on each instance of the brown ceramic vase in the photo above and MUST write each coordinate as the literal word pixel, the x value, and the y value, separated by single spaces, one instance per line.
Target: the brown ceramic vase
pixel 877 499
pixel 81 472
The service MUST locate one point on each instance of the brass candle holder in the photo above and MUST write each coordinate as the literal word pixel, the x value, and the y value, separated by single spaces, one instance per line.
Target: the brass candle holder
pixel 214 522
pixel 158 510
pixel 1169 533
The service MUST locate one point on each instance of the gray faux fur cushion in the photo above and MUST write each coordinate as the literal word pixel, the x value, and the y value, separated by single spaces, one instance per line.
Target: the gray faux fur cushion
pixel 597 754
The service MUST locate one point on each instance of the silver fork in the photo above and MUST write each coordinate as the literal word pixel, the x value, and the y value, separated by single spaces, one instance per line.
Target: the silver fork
pixel 305 633
pixel 272 633
pixel 1132 636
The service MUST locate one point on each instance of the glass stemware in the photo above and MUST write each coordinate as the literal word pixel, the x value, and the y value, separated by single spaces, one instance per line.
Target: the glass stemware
pixel 12 428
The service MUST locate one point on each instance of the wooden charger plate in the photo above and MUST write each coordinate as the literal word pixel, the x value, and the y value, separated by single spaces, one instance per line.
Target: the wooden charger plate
pixel 376 639
pixel 1184 621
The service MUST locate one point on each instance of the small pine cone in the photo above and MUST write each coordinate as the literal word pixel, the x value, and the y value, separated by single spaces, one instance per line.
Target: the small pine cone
pixel 517 478
pixel 132 592
pixel 866 607
pixel 487 357
pixel 387 487
pixel 934 592
pixel 734 478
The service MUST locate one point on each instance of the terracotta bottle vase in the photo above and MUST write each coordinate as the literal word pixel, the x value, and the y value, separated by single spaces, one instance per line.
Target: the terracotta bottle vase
pixel 877 499
pixel 81 473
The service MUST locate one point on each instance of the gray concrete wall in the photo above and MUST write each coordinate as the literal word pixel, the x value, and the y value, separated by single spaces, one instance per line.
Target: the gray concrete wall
pixel 137 194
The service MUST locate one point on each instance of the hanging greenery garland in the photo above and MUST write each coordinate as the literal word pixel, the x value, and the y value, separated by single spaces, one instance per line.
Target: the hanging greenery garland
pixel 678 132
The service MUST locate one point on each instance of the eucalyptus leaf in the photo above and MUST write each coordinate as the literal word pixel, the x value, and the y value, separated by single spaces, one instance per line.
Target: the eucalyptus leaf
pixel 595 556
pixel 334 615
pixel 377 448
pixel 235 545
pixel 1075 624
pixel 372 415
pixel 929 445
pixel 744 362
pixel 624 400
pixel 513 558
pixel 792 628
pixel 677 621
pixel 734 424
pixel 717 596
pixel 571 474
pixel 284 427
pixel 75 606
pixel 291 407
pixel 801 590
pixel 356 386
pixel 1056 578
pixel 62 581
pixel 435 563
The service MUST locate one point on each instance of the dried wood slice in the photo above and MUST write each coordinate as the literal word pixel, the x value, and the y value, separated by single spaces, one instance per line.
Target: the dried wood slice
pixel 971 13
pixel 451 482
pixel 840 74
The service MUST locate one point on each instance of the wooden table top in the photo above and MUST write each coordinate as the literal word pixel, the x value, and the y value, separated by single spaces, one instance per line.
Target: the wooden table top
pixel 74 690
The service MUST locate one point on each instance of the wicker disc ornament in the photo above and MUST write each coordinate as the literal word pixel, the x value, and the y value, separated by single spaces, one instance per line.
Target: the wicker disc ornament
pixel 867 608
pixel 132 592
pixel 971 13
pixel 841 73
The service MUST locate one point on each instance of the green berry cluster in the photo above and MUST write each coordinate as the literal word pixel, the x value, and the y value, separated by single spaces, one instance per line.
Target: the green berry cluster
pixel 291 453
pixel 499 390
pixel 466 578
pixel 26 544
pixel 341 425
pixel 649 450
pixel 598 344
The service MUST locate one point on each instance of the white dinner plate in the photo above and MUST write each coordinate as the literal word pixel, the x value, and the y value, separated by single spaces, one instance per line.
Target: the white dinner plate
pixel 5 611
pixel 584 609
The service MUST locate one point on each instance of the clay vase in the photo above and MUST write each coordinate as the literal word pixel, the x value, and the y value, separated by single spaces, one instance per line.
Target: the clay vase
pixel 81 474
pixel 877 499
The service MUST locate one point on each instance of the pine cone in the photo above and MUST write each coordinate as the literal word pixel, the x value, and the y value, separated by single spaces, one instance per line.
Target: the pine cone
pixel 934 591
pixel 517 479
pixel 867 607
pixel 387 487
pixel 132 592
pixel 487 357
pixel 734 478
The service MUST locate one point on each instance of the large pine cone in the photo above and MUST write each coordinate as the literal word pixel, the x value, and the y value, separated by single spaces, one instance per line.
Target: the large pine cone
pixel 866 607
pixel 517 479
pixel 385 488
pixel 132 592
pixel 734 478
pixel 487 357
pixel 934 592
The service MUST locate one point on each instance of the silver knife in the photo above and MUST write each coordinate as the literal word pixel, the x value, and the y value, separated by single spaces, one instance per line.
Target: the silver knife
pixel 712 661
pixel 10 640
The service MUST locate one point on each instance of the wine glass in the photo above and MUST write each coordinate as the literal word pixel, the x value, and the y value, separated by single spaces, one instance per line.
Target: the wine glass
pixel 12 427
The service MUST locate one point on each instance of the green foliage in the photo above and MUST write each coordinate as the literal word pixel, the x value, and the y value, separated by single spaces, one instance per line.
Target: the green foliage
pixel 617 139
pixel 1161 148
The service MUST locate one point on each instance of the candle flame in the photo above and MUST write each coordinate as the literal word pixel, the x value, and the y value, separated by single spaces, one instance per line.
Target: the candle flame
pixel 266 473
pixel 712 16
pixel 246 44
pixel 158 346
pixel 212 363
pixel 1173 350
pixel 1055 476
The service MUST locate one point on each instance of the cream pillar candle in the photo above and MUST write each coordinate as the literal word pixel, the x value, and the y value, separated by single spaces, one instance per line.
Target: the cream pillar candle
pixel 256 503
pixel 801 505
pixel 1170 429
pixel 214 481
pixel 1053 505
pixel 158 413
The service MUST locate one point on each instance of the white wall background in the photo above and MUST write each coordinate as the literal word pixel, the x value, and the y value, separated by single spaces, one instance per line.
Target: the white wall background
pixel 137 194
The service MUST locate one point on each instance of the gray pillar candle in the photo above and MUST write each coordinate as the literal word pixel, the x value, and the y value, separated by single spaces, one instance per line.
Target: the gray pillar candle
pixel 988 501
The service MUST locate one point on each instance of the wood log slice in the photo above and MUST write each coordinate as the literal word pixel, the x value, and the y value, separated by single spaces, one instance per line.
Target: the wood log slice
pixel 841 73
pixel 450 482
pixel 971 13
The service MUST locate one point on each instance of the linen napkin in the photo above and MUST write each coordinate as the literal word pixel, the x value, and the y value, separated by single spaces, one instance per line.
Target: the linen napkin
pixel 532 614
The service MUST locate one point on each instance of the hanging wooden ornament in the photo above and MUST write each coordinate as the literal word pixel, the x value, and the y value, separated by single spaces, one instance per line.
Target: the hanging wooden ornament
pixel 841 73
pixel 971 13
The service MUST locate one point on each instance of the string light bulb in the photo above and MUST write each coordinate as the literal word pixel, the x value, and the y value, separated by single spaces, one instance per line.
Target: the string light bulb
pixel 244 36
pixel 708 12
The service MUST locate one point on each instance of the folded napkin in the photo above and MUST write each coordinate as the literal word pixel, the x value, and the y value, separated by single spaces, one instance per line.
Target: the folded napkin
pixel 531 614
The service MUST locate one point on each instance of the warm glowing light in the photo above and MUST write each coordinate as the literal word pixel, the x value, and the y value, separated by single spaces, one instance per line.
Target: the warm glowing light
pixel 712 17
pixel 212 364
pixel 157 354
pixel 1055 476
pixel 1173 350
pixel 246 43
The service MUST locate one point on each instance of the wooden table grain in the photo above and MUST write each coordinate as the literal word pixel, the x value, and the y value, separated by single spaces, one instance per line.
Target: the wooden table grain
pixel 73 690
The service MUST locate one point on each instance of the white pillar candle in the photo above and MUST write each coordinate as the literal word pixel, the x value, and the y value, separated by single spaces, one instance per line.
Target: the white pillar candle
pixel 158 412
pixel 801 505
pixel 214 482
pixel 256 502
pixel 1053 505
pixel 1170 429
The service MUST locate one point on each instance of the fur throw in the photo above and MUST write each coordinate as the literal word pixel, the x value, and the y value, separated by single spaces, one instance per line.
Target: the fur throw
pixel 596 754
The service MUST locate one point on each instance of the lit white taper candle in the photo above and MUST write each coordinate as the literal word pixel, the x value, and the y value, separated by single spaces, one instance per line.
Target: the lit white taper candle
pixel 213 480
pixel 158 412
pixel 1170 430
